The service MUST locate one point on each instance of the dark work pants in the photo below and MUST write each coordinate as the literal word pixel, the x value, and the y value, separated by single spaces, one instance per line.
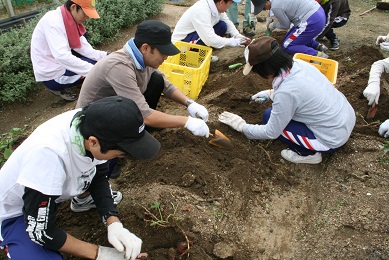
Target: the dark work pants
pixel 331 34
pixel 152 95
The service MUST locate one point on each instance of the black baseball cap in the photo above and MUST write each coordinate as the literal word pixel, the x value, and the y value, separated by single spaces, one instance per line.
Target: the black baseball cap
pixel 156 34
pixel 118 120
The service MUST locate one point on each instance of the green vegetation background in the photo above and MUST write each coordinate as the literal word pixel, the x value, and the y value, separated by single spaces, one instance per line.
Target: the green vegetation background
pixel 16 74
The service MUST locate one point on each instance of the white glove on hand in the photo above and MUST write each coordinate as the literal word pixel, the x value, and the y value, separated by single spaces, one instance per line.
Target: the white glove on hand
pixel 372 93
pixel 380 39
pixel 384 46
pixel 110 253
pixel 269 20
pixel 236 41
pixel 384 129
pixel 263 96
pixel 197 126
pixel 234 121
pixel 197 110
pixel 122 239
pixel 272 26
pixel 240 36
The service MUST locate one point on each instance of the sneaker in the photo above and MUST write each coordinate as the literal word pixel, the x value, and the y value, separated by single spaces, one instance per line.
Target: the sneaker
pixel 293 157
pixel 64 94
pixel 214 58
pixel 321 47
pixel 335 44
pixel 248 31
pixel 87 203
pixel 322 54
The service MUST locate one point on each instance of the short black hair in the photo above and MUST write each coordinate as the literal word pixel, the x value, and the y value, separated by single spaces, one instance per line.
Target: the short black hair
pixel 272 66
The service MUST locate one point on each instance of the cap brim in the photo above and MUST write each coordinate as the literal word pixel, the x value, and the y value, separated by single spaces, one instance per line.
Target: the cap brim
pixel 258 8
pixel 91 12
pixel 168 49
pixel 247 68
pixel 143 148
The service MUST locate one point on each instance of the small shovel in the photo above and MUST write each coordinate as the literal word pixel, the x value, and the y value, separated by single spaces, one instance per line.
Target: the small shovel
pixel 220 140
pixel 372 111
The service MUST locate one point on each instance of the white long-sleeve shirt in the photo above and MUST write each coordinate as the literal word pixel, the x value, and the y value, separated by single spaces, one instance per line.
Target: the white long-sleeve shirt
pixel 200 18
pixel 50 51
pixel 376 71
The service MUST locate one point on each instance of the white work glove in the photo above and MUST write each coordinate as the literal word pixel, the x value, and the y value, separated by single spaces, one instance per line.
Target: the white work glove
pixel 197 126
pixel 381 39
pixel 263 96
pixel 272 26
pixel 372 93
pixel 269 20
pixel 122 239
pixel 110 253
pixel 384 129
pixel 197 110
pixel 234 121
pixel 237 41
pixel 240 36
pixel 384 46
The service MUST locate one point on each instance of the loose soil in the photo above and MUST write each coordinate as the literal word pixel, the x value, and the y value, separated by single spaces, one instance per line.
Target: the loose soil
pixel 248 203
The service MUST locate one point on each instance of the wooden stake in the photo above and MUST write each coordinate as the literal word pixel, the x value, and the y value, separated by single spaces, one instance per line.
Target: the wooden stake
pixel 365 12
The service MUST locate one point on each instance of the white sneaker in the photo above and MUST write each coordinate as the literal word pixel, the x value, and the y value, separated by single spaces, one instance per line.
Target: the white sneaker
pixel 293 157
pixel 87 203
pixel 214 58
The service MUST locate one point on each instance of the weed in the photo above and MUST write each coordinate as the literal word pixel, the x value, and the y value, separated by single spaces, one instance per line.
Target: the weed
pixel 385 146
pixel 6 143
pixel 162 218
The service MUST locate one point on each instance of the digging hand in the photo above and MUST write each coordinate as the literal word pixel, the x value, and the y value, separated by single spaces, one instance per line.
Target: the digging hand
pixel 384 46
pixel 384 129
pixel 372 93
pixel 272 26
pixel 197 110
pixel 269 20
pixel 263 96
pixel 197 126
pixel 233 120
pixel 122 239
pixel 238 40
pixel 381 39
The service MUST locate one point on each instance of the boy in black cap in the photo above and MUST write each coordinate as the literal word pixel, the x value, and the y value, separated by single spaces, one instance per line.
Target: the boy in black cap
pixel 133 72
pixel 62 158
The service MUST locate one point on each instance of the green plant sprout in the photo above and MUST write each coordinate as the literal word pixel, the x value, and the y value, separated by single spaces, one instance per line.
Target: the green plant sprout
pixel 6 143
pixel 161 219
pixel 385 146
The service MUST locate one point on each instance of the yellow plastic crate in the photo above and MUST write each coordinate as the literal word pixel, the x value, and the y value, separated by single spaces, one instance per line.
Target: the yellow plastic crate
pixel 189 69
pixel 327 66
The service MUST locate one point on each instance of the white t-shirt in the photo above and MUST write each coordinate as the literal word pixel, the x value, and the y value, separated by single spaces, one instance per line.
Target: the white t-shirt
pixel 50 51
pixel 49 162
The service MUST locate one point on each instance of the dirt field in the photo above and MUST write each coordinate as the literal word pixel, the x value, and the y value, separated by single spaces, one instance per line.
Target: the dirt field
pixel 248 203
